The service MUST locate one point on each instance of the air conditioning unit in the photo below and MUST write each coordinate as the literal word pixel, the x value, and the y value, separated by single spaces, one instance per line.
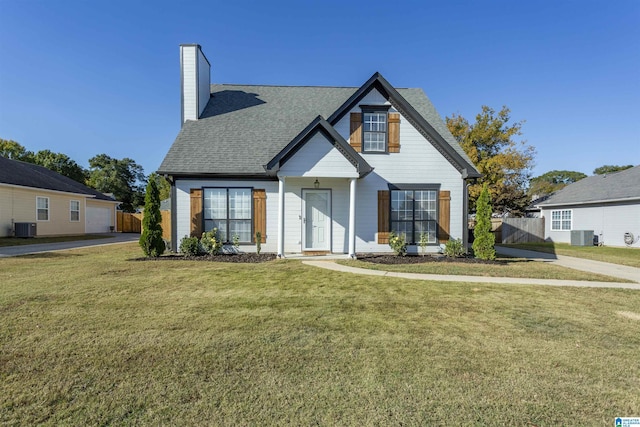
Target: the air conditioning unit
pixel 581 237
pixel 26 229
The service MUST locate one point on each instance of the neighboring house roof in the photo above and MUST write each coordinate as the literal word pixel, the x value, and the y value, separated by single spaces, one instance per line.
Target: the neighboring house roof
pixel 23 174
pixel 620 186
pixel 246 127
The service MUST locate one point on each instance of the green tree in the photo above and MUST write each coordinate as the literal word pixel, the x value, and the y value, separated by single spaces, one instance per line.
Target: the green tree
pixel 151 240
pixel 13 150
pixel 552 181
pixel 60 163
pixel 484 241
pixel 505 163
pixel 163 185
pixel 124 178
pixel 603 170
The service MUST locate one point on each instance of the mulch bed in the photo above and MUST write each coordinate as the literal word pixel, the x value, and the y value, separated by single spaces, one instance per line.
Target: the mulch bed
pixel 419 259
pixel 238 258
pixel 254 258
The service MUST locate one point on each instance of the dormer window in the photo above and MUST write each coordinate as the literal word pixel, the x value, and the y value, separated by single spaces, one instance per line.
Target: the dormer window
pixel 374 129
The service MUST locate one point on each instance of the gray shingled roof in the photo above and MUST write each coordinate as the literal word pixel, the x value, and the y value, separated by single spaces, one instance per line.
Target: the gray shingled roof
pixel 616 186
pixel 244 127
pixel 15 172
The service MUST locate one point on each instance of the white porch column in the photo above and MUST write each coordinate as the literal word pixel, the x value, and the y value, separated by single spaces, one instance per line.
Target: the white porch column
pixel 281 217
pixel 352 217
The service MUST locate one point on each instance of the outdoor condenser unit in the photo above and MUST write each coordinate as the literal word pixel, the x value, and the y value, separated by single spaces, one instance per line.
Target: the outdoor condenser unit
pixel 26 229
pixel 581 237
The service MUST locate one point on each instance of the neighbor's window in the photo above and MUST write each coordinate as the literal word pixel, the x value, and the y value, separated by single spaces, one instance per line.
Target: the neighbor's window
pixel 74 210
pixel 42 208
pixel 561 220
pixel 228 210
pixel 414 212
pixel 374 137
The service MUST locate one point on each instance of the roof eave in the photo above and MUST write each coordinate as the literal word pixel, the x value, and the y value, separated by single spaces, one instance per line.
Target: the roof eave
pixel 319 124
pixel 587 202
pixel 378 82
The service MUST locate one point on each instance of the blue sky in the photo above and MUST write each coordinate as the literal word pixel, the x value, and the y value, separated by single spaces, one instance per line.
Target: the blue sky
pixel 91 77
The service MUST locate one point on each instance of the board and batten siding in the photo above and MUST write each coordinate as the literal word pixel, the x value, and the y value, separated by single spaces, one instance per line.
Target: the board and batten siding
pixel 607 221
pixel 417 162
pixel 318 158
pixel 183 207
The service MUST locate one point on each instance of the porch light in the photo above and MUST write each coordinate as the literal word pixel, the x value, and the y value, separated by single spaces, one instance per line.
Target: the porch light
pixel 316 184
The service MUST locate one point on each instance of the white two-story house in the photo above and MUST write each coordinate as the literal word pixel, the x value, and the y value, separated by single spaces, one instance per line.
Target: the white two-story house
pixel 313 169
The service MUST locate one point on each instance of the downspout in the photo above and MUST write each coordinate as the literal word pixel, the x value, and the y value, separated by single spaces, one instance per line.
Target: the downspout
pixel 174 211
pixel 465 216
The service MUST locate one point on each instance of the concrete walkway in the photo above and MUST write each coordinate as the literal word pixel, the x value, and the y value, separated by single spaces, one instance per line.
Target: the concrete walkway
pixel 110 239
pixel 614 270
pixel 599 267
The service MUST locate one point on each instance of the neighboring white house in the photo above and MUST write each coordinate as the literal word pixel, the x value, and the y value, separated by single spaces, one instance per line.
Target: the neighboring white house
pixel 57 205
pixel 314 169
pixel 608 205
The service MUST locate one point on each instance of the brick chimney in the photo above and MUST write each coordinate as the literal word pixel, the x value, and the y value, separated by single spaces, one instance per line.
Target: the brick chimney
pixel 195 77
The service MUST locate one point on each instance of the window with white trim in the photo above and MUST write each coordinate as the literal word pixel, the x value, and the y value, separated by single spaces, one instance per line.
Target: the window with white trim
pixel 414 212
pixel 229 211
pixel 42 208
pixel 374 137
pixel 74 210
pixel 561 220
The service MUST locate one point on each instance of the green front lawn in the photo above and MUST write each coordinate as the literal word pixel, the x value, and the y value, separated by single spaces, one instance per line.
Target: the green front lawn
pixel 508 267
pixel 615 255
pixel 90 338
pixel 16 241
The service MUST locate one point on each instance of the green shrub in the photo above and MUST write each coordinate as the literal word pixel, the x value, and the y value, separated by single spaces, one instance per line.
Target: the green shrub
pixel 190 246
pixel 424 241
pixel 210 242
pixel 258 242
pixel 484 240
pixel 151 240
pixel 454 248
pixel 398 243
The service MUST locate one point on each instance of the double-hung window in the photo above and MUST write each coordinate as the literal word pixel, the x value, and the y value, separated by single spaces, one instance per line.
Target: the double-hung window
pixel 229 211
pixel 561 220
pixel 413 213
pixel 42 208
pixel 74 211
pixel 374 130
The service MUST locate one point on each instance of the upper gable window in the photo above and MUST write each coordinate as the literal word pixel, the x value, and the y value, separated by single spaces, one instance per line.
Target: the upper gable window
pixel 374 129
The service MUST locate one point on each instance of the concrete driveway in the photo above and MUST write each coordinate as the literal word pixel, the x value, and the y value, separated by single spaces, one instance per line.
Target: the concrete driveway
pixel 109 239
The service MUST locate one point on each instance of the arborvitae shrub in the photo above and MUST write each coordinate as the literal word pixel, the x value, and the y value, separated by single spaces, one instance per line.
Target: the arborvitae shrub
pixel 151 240
pixel 484 240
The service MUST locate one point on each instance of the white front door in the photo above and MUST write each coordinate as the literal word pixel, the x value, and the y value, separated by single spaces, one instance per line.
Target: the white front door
pixel 316 220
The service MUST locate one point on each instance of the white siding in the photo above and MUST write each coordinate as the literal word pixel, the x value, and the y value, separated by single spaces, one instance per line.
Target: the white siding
pixel 609 222
pixel 189 85
pixel 183 204
pixel 418 162
pixel 318 158
pixel 195 81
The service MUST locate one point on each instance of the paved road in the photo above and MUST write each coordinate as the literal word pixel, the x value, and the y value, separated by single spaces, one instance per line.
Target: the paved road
pixel 110 239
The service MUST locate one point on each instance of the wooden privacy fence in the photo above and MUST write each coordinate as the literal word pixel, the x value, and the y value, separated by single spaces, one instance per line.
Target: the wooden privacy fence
pixel 132 223
pixel 129 222
pixel 496 229
pixel 522 230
